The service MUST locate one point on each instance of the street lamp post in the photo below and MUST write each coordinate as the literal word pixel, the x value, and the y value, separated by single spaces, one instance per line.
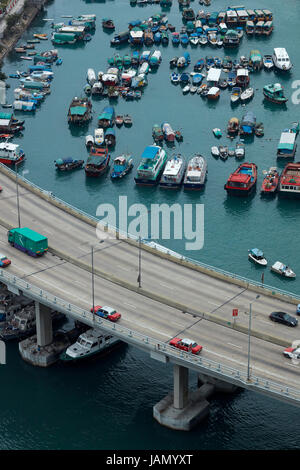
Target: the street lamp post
pixel 93 281
pixel 139 279
pixel 249 335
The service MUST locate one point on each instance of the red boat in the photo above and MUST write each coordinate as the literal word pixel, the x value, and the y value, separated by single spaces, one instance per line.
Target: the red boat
pixel 97 161
pixel 289 182
pixel 242 181
pixel 270 183
pixel 10 154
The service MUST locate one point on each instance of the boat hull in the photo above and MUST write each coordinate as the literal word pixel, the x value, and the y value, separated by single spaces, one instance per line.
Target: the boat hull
pixel 240 192
pixel 101 353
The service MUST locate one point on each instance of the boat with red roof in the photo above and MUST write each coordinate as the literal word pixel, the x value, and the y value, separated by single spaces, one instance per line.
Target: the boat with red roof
pixel 289 182
pixel 97 162
pixel 270 183
pixel 242 181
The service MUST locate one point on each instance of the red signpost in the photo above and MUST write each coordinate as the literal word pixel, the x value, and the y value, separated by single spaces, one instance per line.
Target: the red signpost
pixel 235 312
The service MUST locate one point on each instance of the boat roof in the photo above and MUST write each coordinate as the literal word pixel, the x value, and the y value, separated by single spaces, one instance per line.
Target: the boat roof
pixel 240 177
pixel 213 75
pixel 242 72
pixel 256 252
pixel 8 146
pixel 287 140
pixel 213 90
pixel 78 110
pixel 150 152
pixel 280 52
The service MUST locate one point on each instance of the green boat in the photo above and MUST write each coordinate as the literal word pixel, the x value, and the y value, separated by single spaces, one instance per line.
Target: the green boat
pixel 151 167
pixel 255 60
pixel 126 60
pixel 274 93
pixel 118 61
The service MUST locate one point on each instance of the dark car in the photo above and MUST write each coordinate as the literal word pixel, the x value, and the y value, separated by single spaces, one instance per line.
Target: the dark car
pixel 283 317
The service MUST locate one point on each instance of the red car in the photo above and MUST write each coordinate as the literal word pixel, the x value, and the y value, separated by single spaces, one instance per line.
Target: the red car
pixel 106 312
pixel 186 345
pixel 4 261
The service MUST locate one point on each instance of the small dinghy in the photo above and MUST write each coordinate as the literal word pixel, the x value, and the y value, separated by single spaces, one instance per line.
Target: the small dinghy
pixel 175 78
pixel 268 62
pixel 68 164
pixel 239 150
pixel 193 89
pixel 89 141
pixel 185 89
pixel 257 257
pixel 223 150
pixel 283 270
pixel 127 120
pixel 119 120
pixel 217 132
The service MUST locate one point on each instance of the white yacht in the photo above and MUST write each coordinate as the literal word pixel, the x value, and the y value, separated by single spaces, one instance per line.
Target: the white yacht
pixel 281 59
pixel 283 270
pixel 195 175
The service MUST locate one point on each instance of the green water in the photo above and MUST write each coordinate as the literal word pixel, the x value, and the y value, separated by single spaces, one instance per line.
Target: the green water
pixel 74 408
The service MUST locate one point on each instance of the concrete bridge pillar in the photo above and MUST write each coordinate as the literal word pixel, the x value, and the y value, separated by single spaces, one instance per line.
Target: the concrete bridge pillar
pixel 183 409
pixel 181 386
pixel 44 330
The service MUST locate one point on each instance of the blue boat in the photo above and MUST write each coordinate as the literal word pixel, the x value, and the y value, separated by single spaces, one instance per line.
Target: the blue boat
pixel 66 164
pixel 190 27
pixel 197 79
pixel 187 57
pixel 185 78
pixel 110 137
pixel 248 123
pixel 135 58
pixel 157 37
pixel 199 65
pixel 107 117
pixel 184 39
pixel 122 165
pixel 175 39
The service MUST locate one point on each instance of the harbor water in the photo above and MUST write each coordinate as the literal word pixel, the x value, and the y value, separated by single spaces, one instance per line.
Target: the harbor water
pixel 107 404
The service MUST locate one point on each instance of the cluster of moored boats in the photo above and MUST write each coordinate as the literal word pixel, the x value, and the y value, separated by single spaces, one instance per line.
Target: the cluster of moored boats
pixel 125 77
pixel 257 256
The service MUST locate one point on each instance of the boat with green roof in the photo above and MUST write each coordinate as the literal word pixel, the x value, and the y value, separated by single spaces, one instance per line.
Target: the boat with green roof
pixel 151 167
pixel 274 93
pixel 80 111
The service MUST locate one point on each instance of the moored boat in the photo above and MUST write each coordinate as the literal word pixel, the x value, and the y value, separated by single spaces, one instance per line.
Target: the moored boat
pixel 257 256
pixel 97 161
pixel 173 173
pixel 89 344
pixel 196 172
pixel 223 152
pixel 289 182
pixel 274 93
pixel 235 95
pixel 151 166
pixel 168 132
pixel 281 59
pixel 66 164
pixel 283 270
pixel 233 126
pixel 287 144
pixel 242 182
pixel 268 62
pixel 157 133
pixel 10 153
pixel 270 182
pixel 239 150
pixel 122 165
pixel 80 111
pixel 247 95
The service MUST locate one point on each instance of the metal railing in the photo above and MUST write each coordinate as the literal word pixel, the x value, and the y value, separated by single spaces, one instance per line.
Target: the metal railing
pixel 154 245
pixel 142 341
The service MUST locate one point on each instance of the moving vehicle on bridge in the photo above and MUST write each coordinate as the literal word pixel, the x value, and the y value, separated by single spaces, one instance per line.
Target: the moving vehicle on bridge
pixel 284 318
pixel 186 344
pixel 27 240
pixel 292 353
pixel 106 312
pixel 4 261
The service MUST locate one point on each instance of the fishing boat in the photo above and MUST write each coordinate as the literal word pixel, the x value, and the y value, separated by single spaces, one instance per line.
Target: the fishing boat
pixel 268 62
pixel 270 182
pixel 97 162
pixel 281 59
pixel 248 123
pixel 250 28
pixel 110 137
pixel 122 165
pixel 274 93
pixel 175 78
pixel 11 154
pixel 67 164
pixel 203 40
pixel 173 173
pixel 287 144
pixel 91 76
pixel 235 95
pixel 107 117
pixel 196 173
pixel 257 257
pixel 108 23
pixel 175 38
pixel 151 167
pixel 127 120
pixel 119 120
pixel 242 78
pixel 168 132
pixel 255 60
pixel 157 133
pixel 90 344
pixel 233 126
pixel 283 270
pixel 89 141
pixel 239 150
pixel 242 182
pixel 231 79
pixel 178 136
pixel 213 93
pixel 289 182
pixel 223 152
pixel 215 151
pixel 80 111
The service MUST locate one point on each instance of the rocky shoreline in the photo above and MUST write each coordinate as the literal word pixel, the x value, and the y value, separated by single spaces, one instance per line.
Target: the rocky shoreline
pixel 11 37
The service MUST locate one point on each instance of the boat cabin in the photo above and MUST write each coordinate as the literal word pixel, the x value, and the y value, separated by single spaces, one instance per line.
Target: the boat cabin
pixel 268 28
pixel 251 15
pixel 289 184
pixel 268 15
pixel 259 15
pixel 221 17
pixel 231 18
pixel 213 76
pixel 242 16
pixel 287 145
pixel 259 27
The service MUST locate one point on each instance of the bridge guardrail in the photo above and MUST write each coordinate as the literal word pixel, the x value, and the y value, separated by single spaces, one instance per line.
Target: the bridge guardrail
pixel 152 344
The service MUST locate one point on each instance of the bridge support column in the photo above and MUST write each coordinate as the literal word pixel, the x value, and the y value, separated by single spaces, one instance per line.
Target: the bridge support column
pixel 183 409
pixel 44 331
pixel 219 385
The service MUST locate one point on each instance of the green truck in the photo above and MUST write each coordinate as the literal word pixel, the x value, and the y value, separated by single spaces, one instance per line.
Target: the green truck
pixel 27 240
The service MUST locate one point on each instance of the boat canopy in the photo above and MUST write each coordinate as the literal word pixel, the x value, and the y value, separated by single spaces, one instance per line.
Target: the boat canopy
pixel 78 110
pixel 213 75
pixel 7 116
pixel 107 113
pixel 287 141
pixel 256 252
pixel 150 152
pixel 242 73
pixel 110 131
